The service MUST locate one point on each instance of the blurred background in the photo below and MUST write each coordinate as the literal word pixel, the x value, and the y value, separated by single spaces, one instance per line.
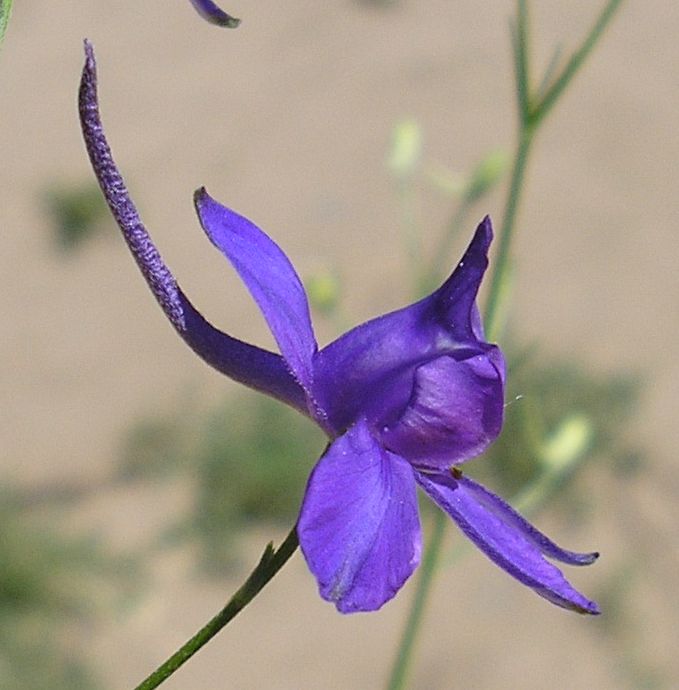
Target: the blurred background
pixel 138 487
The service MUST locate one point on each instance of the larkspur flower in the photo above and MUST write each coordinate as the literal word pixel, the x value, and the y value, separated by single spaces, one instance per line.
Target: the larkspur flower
pixel 214 14
pixel 405 399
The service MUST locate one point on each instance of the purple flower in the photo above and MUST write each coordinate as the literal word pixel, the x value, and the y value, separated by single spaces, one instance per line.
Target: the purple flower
pixel 210 11
pixel 405 399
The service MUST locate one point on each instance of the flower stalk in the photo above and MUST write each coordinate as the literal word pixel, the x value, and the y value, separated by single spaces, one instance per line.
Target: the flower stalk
pixel 269 564
pixel 404 657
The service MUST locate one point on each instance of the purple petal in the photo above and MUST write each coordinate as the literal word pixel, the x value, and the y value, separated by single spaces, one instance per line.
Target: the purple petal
pixel 210 11
pixel 270 278
pixel 512 519
pixel 359 528
pixel 505 539
pixel 369 370
pixel 245 363
pixel 456 298
pixel 454 414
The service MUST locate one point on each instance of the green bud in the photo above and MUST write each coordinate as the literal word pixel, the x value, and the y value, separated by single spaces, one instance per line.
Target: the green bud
pixel 569 443
pixel 406 148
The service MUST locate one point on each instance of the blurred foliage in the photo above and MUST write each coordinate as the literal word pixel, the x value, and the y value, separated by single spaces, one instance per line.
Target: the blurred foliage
pixel 485 175
pixel 430 254
pixel 628 638
pixel 248 461
pixel 76 212
pixel 5 11
pixel 558 416
pixel 49 585
pixel 253 466
pixel 408 165
pixel 153 447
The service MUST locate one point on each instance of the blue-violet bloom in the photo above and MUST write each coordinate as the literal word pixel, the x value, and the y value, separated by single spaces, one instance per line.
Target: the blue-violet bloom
pixel 405 399
pixel 212 12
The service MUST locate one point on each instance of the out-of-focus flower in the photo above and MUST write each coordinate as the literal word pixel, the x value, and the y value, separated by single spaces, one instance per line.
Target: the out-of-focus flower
pixel 210 11
pixel 405 399
pixel 406 149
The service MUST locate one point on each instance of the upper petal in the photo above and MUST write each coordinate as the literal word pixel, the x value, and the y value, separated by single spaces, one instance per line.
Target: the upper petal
pixel 210 11
pixel 455 300
pixel 270 278
pixel 369 371
pixel 245 363
pixel 511 543
pixel 359 528
pixel 454 414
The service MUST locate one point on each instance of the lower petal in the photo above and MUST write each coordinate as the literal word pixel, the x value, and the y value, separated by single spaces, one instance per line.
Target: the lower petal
pixel 359 527
pixel 506 538
pixel 516 521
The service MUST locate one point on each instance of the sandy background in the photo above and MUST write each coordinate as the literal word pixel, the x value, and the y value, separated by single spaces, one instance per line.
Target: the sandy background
pixel 287 120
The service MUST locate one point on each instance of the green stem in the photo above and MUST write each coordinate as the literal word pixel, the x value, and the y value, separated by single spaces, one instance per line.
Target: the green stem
pixel 269 564
pixel 575 63
pixel 531 116
pixel 404 656
pixel 520 46
pixel 500 274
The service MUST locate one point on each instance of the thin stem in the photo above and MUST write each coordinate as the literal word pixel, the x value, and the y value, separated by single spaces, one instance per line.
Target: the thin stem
pixel 399 673
pixel 521 69
pixel 530 118
pixel 500 274
pixel 269 564
pixel 575 63
pixel 550 71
